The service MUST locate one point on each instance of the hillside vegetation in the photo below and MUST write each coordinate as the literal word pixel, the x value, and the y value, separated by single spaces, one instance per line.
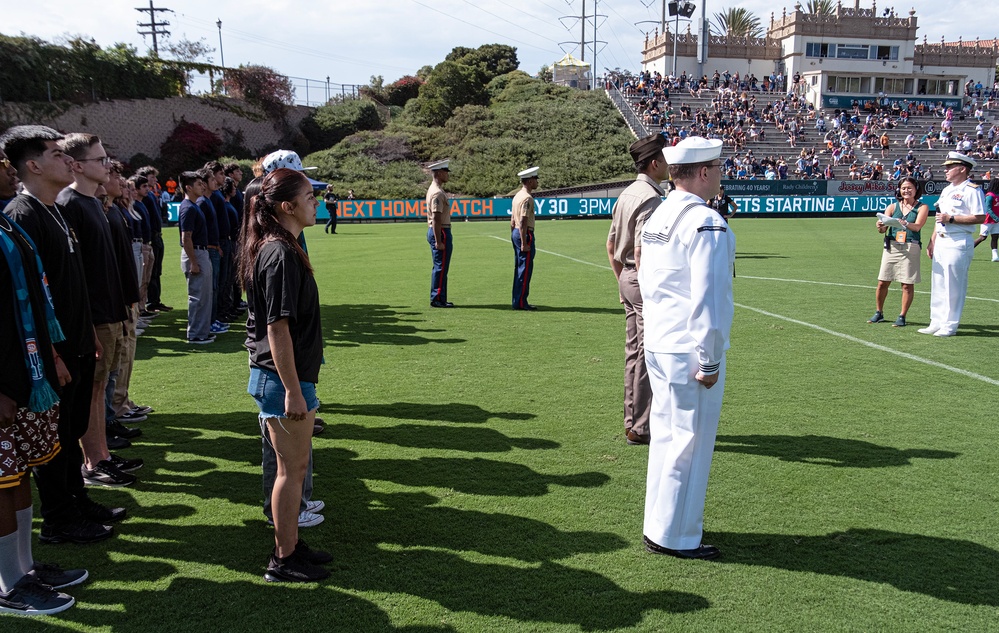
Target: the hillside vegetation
pixel 500 121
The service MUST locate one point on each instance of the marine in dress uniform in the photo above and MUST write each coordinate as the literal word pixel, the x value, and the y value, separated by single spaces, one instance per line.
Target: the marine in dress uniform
pixel 439 234
pixel 522 238
pixel 962 205
pixel 630 212
pixel 687 261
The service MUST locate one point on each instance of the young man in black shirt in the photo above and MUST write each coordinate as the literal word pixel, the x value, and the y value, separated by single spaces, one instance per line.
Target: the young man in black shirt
pixel 68 513
pixel 108 310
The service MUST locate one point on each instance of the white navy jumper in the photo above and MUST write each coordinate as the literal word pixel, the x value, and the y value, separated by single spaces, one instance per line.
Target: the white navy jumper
pixel 953 249
pixel 688 259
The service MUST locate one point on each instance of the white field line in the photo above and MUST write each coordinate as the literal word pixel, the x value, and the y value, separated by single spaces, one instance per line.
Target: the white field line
pixel 852 339
pixel 880 348
pixel 831 283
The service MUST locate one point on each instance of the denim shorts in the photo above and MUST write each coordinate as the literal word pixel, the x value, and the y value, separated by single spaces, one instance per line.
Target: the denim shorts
pixel 266 388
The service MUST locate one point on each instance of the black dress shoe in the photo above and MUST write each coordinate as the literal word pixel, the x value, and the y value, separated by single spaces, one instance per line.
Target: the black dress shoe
pixel 526 307
pixel 637 440
pixel 701 552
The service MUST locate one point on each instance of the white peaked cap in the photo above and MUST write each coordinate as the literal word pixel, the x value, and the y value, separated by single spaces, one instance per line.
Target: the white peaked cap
pixel 693 149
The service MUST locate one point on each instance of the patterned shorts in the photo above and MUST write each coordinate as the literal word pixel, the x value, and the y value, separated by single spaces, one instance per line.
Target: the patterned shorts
pixel 32 440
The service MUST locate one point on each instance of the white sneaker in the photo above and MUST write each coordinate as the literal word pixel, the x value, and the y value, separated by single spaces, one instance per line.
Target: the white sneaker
pixel 305 519
pixel 995 258
pixel 944 333
pixel 314 506
pixel 309 519
pixel 929 329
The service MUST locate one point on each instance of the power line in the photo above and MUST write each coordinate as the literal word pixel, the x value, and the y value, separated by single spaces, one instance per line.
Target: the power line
pixel 153 25
pixel 481 28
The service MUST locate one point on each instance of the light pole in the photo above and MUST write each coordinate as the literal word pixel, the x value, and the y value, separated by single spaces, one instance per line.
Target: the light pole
pixel 678 8
pixel 221 53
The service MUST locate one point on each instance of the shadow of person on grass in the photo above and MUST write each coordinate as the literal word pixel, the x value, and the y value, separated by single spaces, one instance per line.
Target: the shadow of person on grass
pixel 366 324
pixel 471 439
pixel 825 451
pixel 759 256
pixel 444 411
pixel 983 331
pixel 506 307
pixel 232 606
pixel 946 569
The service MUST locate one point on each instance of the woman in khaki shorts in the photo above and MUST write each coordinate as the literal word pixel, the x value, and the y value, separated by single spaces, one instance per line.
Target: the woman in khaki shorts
pixel 900 260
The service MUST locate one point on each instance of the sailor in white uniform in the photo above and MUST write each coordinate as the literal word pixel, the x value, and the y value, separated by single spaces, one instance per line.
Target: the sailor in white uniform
pixel 952 245
pixel 688 259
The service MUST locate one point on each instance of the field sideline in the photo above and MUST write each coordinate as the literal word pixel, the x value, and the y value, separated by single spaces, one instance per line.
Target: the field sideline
pixel 476 477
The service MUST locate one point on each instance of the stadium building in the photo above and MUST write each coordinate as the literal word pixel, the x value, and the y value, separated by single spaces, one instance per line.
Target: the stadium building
pixel 851 54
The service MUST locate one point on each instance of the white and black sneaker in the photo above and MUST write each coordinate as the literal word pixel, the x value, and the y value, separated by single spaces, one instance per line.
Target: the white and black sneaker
pixel 107 475
pixel 56 577
pixel 124 464
pixel 31 597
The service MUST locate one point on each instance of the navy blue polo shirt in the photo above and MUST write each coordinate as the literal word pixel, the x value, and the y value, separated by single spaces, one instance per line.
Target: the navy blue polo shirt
pixel 221 215
pixel 212 227
pixel 192 220
pixel 233 221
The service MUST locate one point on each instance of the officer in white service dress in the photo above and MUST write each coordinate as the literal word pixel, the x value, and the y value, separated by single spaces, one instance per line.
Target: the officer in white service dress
pixel 952 245
pixel 688 258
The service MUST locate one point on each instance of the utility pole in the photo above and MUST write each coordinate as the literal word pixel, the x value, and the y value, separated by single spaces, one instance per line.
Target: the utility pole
pixel 153 25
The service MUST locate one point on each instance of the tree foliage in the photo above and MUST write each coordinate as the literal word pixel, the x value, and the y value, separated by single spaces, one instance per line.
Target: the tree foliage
pixel 451 85
pixel 331 123
pixel 186 50
pixel 739 22
pixel 491 60
pixel 189 146
pixel 261 86
pixel 575 137
pixel 824 7
pixel 32 69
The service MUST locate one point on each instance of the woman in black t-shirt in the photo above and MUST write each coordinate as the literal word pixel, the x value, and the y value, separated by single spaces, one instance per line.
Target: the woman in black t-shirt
pixel 285 354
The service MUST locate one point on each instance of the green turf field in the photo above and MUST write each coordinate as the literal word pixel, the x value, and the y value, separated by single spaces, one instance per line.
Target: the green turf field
pixel 476 477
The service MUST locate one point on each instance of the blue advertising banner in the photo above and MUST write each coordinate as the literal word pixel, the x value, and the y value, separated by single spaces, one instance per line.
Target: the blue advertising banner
pixel 354 210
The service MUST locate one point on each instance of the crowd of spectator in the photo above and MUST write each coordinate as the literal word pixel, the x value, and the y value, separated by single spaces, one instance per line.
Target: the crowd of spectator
pixel 877 141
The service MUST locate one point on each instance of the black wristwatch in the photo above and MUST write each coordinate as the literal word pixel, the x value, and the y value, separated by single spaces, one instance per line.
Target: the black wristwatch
pixel 951 220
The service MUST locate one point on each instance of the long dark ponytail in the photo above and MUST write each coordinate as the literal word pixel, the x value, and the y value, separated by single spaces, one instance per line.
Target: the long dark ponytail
pixel 262 198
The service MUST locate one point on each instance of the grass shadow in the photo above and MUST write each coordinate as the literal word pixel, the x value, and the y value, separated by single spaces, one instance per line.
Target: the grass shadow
pixel 946 569
pixel 369 324
pixel 822 450
pixel 541 308
pixel 442 412
pixel 473 440
pixel 759 256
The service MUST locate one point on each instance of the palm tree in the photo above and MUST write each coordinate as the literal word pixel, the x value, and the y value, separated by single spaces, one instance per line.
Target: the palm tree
pixel 823 7
pixel 739 22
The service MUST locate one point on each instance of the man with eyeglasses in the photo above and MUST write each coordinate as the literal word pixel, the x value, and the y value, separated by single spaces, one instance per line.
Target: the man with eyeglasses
pixel 108 308
pixel 952 245
pixel 688 259
pixel 68 514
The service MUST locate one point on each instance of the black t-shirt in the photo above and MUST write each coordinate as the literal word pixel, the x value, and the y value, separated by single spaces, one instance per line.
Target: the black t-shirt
pixel 86 215
pixel 63 267
pixel 15 382
pixel 122 236
pixel 283 288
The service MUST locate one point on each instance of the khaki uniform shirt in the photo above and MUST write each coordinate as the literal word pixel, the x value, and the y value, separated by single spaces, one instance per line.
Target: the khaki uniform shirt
pixel 437 203
pixel 630 212
pixel 523 207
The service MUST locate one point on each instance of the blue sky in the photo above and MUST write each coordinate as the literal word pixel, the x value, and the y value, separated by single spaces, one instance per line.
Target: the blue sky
pixel 349 41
